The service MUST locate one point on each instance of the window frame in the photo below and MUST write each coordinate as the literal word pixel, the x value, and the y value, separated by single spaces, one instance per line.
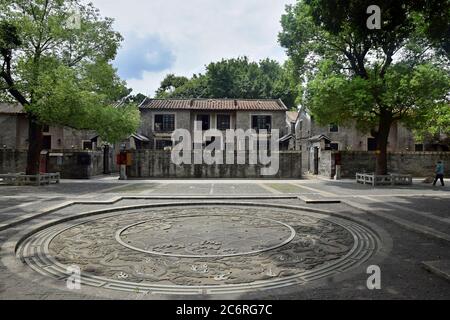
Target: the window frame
pixel 331 125
pixel 261 115
pixel 202 115
pixel 164 114
pixel 87 141
pixel 335 143
pixel 217 121
pixel 47 141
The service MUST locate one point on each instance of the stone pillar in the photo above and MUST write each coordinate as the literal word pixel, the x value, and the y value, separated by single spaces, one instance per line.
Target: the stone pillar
pixel 123 172
pixel 338 172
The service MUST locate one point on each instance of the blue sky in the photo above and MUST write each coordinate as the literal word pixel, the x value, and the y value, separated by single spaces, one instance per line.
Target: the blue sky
pixel 182 36
pixel 146 53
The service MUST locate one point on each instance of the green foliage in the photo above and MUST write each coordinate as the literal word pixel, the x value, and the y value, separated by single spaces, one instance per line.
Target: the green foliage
pixel 135 99
pixel 170 83
pixel 435 123
pixel 376 77
pixel 334 98
pixel 60 73
pixel 414 96
pixel 234 78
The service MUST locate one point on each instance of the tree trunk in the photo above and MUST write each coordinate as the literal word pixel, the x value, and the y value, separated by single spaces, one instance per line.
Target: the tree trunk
pixel 35 139
pixel 384 128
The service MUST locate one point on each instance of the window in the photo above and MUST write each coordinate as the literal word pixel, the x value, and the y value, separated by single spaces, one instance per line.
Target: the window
pixel 47 143
pixel 371 144
pixel 419 147
pixel 262 123
pixel 162 144
pixel 223 122
pixel 164 123
pixel 334 128
pixel 87 145
pixel 205 120
pixel 45 128
pixel 334 146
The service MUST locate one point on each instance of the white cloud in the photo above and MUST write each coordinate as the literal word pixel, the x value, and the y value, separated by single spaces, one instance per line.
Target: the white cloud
pixel 199 31
pixel 140 54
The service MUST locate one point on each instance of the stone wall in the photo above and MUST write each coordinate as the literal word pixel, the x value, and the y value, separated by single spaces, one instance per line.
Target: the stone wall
pixel 327 164
pixel 71 164
pixel 158 164
pixel 8 125
pixel 76 164
pixel 12 161
pixel 418 164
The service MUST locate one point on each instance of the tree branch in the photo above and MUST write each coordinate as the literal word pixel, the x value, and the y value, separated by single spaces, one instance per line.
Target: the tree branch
pixel 6 75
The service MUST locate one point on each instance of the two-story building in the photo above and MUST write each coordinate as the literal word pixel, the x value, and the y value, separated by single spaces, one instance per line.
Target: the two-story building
pixel 311 138
pixel 160 118
pixel 14 132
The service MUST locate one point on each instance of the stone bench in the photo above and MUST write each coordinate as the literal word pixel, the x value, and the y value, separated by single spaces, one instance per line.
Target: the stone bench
pixel 380 180
pixel 27 180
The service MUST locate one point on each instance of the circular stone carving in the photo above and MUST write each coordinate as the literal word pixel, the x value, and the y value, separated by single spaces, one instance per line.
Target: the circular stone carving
pixel 209 236
pixel 201 249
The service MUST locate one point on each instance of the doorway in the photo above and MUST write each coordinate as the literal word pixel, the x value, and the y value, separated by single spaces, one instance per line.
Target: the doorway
pixel 106 162
pixel 47 143
pixel 316 160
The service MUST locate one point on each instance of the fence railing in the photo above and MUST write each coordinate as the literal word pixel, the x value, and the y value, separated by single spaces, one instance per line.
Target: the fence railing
pixel 377 180
pixel 18 179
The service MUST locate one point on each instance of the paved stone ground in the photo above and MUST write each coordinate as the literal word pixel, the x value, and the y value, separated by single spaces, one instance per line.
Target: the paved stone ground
pixel 412 222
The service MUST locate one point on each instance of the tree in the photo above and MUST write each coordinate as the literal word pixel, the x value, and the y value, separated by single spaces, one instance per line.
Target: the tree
pixel 234 79
pixel 436 126
pixel 55 61
pixel 135 99
pixel 399 73
pixel 170 83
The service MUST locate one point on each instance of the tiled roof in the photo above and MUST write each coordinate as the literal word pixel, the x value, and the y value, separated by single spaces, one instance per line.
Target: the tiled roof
pixel 214 104
pixel 319 137
pixel 10 108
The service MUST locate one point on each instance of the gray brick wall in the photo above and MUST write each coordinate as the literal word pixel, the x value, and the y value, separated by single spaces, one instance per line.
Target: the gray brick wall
pixel 69 165
pixel 12 161
pixel 418 164
pixel 8 131
pixel 73 165
pixel 158 164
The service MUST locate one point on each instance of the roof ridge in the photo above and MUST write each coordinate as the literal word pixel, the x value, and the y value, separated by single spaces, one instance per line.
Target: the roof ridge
pixel 225 99
pixel 215 104
pixel 281 103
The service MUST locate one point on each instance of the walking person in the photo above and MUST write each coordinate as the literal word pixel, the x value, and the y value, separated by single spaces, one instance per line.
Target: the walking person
pixel 439 173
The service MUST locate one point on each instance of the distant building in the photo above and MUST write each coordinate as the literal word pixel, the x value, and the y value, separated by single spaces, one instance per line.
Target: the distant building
pixel 160 118
pixel 288 141
pixel 14 132
pixel 311 138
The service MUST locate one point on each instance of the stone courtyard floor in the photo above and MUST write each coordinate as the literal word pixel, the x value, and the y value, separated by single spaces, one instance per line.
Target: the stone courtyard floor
pixel 237 239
